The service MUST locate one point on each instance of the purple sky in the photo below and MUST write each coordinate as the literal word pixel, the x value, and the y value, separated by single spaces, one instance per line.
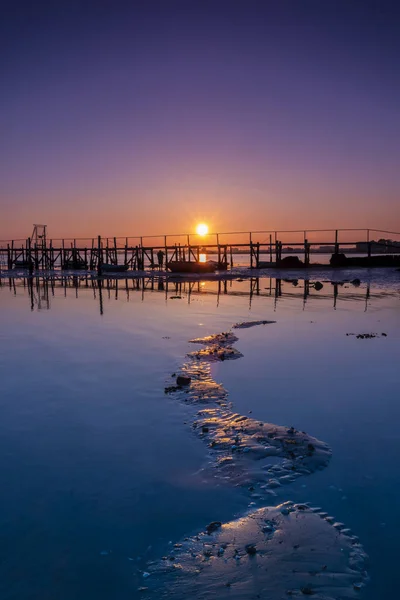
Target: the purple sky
pixel 145 117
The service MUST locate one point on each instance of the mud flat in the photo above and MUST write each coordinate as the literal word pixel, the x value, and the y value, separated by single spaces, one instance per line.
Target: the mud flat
pixel 216 352
pixel 287 551
pixel 290 550
pixel 245 451
pixel 248 324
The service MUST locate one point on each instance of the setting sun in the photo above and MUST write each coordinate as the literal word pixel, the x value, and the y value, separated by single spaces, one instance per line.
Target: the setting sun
pixel 202 229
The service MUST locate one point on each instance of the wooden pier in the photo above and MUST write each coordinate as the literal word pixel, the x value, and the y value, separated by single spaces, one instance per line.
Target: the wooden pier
pixel 264 249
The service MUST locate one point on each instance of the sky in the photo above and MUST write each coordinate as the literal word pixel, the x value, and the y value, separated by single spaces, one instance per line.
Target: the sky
pixel 146 117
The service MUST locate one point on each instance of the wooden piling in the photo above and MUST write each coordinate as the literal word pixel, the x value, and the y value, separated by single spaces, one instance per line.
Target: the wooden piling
pixel 306 253
pixel 336 242
pixel 99 264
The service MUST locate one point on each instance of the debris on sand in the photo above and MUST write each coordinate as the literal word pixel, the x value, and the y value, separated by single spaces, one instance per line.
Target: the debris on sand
pixel 366 336
pixel 300 554
pixel 183 380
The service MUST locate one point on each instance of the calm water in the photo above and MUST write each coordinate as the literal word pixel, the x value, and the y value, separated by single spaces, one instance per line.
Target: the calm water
pixel 99 470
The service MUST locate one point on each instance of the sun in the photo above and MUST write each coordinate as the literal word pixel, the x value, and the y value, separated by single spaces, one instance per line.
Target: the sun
pixel 202 229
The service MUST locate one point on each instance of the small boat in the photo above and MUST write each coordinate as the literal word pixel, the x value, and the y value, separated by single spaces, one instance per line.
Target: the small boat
pixel 186 266
pixel 74 265
pixel 264 264
pixel 109 268
pixel 21 264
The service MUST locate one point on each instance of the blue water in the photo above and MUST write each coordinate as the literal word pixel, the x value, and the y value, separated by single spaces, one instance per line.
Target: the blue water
pixel 100 469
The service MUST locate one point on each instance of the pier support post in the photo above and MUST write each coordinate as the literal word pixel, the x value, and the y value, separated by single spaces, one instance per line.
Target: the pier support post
pixel 336 242
pixel 29 255
pixel 99 261
pixel 306 253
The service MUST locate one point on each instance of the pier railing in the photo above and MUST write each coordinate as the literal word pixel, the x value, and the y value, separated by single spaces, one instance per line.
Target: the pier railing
pixel 141 252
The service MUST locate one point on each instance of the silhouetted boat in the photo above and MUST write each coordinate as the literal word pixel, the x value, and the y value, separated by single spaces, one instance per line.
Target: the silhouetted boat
pixel 74 265
pixel 109 268
pixel 21 264
pixel 185 266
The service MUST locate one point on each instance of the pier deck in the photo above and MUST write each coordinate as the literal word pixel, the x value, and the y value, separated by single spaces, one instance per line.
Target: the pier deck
pixel 264 249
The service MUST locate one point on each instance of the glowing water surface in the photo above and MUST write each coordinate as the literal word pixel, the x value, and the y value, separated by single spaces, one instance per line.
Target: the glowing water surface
pixel 99 470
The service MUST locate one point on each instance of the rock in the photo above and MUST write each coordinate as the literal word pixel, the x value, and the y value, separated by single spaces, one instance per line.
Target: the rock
pixel 251 549
pixel 291 262
pixel 338 260
pixel 213 526
pixel 183 380
pixel 307 591
pixel 170 389
pixel 273 483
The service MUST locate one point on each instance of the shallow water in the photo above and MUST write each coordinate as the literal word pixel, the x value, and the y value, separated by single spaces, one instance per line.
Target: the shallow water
pixel 100 471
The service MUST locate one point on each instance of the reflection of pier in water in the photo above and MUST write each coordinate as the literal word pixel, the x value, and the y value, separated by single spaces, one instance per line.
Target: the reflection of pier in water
pixel 41 290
